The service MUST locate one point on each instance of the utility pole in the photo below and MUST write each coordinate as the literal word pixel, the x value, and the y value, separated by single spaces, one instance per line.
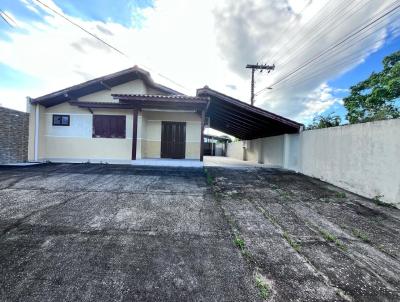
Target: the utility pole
pixel 260 67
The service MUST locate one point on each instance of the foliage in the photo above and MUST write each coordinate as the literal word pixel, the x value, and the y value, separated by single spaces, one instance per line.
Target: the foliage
pixel 263 287
pixel 326 121
pixel 375 98
pixel 239 242
pixel 293 244
pixel 332 238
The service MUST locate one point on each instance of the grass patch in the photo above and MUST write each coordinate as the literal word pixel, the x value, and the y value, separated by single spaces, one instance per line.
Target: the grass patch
pixel 296 246
pixel 340 195
pixel 239 242
pixel 262 286
pixel 210 179
pixel 378 201
pixel 361 235
pixel 332 238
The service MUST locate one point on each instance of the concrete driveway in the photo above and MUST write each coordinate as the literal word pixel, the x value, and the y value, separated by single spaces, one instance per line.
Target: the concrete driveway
pixel 124 233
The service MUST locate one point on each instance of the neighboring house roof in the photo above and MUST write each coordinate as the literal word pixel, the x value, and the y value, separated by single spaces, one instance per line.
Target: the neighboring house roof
pixel 218 138
pixel 101 83
pixel 243 120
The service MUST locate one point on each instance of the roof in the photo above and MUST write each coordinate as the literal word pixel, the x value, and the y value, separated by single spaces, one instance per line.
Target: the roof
pixel 101 83
pixel 157 97
pixel 160 101
pixel 243 120
pixel 131 101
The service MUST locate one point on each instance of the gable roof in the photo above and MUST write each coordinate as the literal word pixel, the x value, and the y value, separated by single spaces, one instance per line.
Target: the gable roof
pixel 243 120
pixel 101 83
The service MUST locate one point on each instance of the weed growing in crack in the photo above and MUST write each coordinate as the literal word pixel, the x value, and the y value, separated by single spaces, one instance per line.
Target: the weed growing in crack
pixel 296 246
pixel 332 238
pixel 378 201
pixel 239 242
pixel 210 179
pixel 381 248
pixel 361 235
pixel 262 286
pixel 340 195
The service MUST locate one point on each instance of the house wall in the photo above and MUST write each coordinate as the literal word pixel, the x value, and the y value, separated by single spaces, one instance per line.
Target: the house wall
pixel 362 158
pixel 74 143
pixel 13 136
pixel 151 137
pixel 136 86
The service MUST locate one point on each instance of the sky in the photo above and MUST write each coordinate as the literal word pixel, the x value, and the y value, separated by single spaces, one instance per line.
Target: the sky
pixel 187 44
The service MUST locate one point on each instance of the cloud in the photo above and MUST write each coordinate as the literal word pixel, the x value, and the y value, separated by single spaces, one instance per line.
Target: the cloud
pixel 104 30
pixel 269 32
pixel 318 102
pixel 199 43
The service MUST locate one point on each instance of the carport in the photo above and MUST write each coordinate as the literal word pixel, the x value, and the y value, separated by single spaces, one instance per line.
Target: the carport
pixel 243 120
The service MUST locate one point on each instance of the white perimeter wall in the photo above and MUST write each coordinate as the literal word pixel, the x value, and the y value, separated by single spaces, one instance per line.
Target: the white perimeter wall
pixel 235 150
pixel 362 158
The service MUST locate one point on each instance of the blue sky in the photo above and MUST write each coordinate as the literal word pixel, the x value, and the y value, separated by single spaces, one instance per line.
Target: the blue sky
pixel 192 42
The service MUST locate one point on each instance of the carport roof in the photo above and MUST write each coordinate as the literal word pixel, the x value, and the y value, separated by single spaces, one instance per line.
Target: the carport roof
pixel 243 120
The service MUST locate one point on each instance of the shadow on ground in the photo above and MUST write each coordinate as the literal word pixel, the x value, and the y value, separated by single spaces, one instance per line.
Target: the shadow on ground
pixel 121 233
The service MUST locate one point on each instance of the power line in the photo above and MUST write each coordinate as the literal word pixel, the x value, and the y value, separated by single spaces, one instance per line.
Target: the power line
pixel 331 22
pixel 331 48
pixel 104 42
pixel 279 39
pixel 5 16
pixel 335 46
pixel 351 43
pixel 294 37
pixel 82 28
pixel 317 72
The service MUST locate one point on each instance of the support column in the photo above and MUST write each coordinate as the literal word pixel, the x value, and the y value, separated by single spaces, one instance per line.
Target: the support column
pixel 134 133
pixel 203 115
pixel 36 137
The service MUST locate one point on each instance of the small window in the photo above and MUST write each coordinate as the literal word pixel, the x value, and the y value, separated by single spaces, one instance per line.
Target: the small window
pixel 109 126
pixel 60 120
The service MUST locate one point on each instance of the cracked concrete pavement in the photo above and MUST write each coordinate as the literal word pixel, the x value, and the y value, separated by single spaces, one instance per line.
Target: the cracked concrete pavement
pixel 86 232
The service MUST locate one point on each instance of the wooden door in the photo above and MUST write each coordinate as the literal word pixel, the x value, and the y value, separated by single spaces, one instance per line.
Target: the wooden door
pixel 173 140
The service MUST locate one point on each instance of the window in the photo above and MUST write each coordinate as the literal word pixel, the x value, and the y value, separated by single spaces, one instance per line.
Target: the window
pixel 60 120
pixel 109 126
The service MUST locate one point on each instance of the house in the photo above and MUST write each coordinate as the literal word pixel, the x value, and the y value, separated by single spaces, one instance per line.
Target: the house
pixel 117 118
pixel 126 116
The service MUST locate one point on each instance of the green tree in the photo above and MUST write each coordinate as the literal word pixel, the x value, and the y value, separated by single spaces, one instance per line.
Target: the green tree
pixel 375 98
pixel 321 121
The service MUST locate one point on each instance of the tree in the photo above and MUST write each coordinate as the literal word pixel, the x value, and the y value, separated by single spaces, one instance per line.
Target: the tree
pixel 375 98
pixel 326 121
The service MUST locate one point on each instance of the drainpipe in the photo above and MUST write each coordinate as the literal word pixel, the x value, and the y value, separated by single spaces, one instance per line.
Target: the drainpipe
pixel 36 138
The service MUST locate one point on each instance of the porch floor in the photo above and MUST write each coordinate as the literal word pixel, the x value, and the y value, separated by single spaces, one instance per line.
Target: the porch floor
pixel 192 163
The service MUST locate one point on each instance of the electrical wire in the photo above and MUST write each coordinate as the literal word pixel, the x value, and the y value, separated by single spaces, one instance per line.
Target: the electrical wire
pixel 317 72
pixel 104 42
pixel 7 18
pixel 346 38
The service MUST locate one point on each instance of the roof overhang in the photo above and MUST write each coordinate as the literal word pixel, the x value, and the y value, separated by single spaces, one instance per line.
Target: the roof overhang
pixel 243 120
pixel 128 101
pixel 102 83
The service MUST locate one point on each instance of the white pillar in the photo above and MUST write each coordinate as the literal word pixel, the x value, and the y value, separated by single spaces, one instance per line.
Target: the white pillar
pixel 36 138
